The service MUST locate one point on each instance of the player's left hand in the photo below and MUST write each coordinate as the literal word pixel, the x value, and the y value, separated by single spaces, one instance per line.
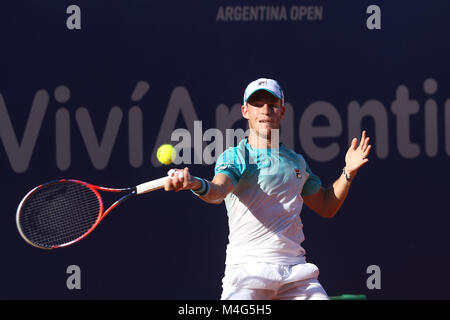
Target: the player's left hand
pixel 356 156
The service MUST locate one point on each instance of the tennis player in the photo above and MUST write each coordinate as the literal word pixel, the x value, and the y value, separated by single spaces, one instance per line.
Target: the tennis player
pixel 264 185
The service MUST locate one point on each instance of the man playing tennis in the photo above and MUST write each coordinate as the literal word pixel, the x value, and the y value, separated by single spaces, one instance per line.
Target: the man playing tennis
pixel 264 185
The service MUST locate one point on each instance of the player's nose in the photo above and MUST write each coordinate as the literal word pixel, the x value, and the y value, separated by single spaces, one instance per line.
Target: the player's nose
pixel 265 109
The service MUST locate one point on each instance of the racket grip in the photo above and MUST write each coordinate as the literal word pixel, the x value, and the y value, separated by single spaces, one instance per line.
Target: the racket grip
pixel 151 185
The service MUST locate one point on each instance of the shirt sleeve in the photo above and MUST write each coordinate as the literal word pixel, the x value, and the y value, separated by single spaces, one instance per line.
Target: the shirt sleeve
pixel 312 185
pixel 228 163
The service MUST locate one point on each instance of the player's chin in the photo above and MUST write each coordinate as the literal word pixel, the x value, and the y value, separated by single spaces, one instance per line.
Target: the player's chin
pixel 266 130
pixel 268 125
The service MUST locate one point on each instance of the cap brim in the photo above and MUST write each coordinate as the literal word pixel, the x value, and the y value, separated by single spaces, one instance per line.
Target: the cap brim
pixel 263 89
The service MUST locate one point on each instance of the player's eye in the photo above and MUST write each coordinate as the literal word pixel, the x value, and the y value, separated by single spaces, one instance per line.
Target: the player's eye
pixel 258 104
pixel 261 104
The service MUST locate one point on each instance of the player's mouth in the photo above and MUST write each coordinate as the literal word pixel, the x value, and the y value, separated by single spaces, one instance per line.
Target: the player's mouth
pixel 265 121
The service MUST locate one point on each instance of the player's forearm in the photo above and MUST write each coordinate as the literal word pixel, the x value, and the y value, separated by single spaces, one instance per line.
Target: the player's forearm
pixel 335 195
pixel 215 193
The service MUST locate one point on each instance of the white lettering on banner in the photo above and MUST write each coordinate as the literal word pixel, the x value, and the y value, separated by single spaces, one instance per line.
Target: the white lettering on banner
pixel 74 280
pixel 403 108
pixel 269 13
pixel 208 143
pixel 374 280
pixel 307 131
pixel 99 152
pixel 374 20
pixel 376 111
pixel 135 125
pixel 179 103
pixel 73 22
pixel 19 155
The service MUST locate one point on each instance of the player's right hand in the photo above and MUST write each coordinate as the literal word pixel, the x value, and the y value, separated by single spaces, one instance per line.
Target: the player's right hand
pixel 180 179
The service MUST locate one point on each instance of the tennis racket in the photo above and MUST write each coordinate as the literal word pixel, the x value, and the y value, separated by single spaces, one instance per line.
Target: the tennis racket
pixel 62 212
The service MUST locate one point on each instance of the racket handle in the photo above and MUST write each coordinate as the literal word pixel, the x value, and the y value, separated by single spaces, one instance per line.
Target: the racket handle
pixel 151 185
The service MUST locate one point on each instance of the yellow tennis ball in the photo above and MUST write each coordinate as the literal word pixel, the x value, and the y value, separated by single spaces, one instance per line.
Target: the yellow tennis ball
pixel 166 154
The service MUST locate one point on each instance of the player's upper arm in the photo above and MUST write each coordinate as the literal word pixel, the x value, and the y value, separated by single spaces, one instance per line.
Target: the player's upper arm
pixel 316 200
pixel 224 182
pixel 313 193
pixel 230 166
pixel 221 185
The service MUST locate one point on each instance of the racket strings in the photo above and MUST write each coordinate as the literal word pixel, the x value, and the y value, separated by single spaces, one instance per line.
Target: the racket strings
pixel 59 213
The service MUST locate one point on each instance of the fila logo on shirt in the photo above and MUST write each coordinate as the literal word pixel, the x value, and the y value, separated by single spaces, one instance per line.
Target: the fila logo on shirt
pixel 298 173
pixel 224 167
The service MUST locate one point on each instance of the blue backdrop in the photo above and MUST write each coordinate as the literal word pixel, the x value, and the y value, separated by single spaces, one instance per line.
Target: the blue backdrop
pixel 159 66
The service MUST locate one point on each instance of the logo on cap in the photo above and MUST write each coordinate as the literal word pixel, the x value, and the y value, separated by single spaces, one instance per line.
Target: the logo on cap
pixel 269 85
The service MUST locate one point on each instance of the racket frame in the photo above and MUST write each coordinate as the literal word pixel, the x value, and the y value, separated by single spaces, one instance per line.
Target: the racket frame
pixel 93 188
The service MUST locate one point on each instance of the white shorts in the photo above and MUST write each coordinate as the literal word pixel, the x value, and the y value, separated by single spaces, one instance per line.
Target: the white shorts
pixel 265 281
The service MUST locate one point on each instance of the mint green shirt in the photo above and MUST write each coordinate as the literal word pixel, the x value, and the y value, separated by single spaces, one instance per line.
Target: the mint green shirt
pixel 264 207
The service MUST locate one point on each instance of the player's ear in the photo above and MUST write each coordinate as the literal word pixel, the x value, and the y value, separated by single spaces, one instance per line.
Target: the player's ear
pixel 244 110
pixel 283 111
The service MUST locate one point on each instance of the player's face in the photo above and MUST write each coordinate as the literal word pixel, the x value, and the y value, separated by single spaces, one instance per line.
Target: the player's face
pixel 263 112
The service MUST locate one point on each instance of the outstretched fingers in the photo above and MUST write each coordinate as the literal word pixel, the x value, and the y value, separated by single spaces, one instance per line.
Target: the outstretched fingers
pixel 363 139
pixel 366 144
pixel 353 144
pixel 367 150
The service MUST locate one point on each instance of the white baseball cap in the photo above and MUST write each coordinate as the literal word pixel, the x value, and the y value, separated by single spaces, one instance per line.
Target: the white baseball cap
pixel 269 85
